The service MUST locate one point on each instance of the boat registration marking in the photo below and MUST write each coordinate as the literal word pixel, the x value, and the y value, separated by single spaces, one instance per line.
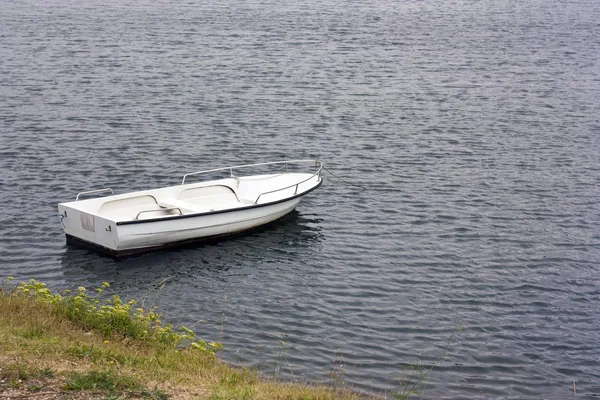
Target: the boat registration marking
pixel 87 222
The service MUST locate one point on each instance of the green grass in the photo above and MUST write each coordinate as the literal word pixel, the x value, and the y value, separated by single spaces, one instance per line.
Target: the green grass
pixel 77 347
pixel 113 316
pixel 107 380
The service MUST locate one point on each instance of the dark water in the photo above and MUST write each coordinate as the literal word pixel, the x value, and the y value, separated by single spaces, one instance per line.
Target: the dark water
pixel 474 126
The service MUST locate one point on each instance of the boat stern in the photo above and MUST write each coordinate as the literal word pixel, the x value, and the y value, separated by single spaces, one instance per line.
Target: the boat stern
pixel 85 227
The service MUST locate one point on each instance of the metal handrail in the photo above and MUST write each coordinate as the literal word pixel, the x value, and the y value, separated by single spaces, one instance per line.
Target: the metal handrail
pixel 161 209
pixel 317 173
pixel 317 164
pixel 94 191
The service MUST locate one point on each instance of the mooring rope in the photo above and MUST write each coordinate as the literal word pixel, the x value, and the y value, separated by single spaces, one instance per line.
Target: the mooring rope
pixel 345 181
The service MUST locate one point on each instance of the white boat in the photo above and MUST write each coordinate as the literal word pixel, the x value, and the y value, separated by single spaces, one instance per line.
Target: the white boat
pixel 147 220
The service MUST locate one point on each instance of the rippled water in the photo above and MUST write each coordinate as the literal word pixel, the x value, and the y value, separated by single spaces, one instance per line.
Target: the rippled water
pixel 473 125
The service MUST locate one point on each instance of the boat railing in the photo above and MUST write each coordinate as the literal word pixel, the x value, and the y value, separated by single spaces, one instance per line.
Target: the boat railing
pixel 93 192
pixel 318 165
pixel 318 173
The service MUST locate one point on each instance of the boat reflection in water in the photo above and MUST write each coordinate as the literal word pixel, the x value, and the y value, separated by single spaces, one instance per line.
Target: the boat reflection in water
pixel 293 235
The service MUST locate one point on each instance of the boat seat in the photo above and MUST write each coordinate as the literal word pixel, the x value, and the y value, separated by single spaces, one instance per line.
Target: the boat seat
pixel 210 198
pixel 184 206
pixel 203 199
pixel 128 208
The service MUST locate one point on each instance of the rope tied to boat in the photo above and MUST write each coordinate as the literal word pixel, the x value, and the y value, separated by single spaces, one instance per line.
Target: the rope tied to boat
pixel 62 216
pixel 345 181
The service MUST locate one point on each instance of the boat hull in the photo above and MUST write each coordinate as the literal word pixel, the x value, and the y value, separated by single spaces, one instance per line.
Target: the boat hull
pixel 165 241
pixel 158 233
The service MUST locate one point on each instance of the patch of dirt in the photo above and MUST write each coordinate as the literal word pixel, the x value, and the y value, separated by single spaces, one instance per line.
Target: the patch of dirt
pixel 39 389
pixel 48 389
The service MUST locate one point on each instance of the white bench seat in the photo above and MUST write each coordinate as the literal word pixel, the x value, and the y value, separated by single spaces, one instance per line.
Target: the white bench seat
pixel 203 199
pixel 184 206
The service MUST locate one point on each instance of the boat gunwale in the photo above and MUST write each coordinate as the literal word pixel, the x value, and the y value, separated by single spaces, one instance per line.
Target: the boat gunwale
pixel 228 210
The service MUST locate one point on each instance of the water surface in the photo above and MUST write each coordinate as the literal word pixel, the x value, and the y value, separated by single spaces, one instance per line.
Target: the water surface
pixel 473 126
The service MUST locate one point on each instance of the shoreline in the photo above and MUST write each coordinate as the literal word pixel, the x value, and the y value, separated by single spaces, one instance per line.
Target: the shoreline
pixel 72 346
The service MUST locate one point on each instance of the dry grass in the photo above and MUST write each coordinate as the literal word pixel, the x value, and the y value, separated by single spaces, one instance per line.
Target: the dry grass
pixel 45 356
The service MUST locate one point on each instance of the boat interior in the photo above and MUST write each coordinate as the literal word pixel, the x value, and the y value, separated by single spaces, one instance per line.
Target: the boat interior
pixel 201 197
pixel 188 201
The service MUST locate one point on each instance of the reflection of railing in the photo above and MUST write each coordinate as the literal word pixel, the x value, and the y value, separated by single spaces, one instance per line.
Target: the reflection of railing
pixel 94 191
pixel 318 166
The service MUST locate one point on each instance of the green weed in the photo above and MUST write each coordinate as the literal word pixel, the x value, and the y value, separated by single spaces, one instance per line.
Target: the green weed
pixel 336 376
pixel 35 388
pixel 15 372
pixel 15 383
pixel 155 394
pixel 234 393
pixel 280 356
pixel 34 332
pixel 235 378
pixel 416 375
pixel 83 351
pixel 113 317
pixel 101 380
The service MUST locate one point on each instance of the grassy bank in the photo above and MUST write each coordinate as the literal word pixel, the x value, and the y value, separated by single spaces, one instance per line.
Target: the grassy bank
pixel 72 346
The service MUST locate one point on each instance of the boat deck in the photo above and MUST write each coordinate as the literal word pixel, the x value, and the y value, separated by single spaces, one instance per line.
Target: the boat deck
pixel 189 201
